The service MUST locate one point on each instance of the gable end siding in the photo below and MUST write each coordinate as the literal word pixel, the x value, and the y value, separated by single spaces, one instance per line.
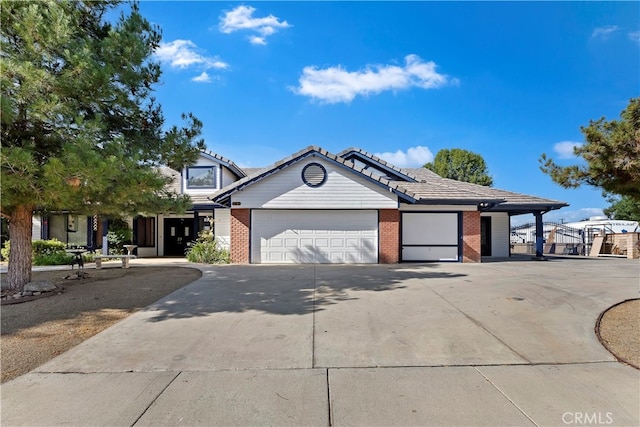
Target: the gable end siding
pixel 342 190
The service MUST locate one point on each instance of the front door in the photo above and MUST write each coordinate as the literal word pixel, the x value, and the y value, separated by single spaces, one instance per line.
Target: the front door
pixel 177 233
pixel 485 236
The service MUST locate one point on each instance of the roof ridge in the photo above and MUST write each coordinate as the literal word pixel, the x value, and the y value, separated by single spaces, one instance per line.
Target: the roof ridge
pixel 222 158
pixel 293 158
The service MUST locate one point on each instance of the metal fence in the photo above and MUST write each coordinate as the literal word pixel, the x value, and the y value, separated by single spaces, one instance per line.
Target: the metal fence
pixel 558 238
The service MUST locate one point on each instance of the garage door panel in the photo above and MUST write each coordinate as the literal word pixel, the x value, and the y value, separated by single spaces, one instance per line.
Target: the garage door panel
pixel 433 253
pixel 430 228
pixel 314 236
pixel 430 236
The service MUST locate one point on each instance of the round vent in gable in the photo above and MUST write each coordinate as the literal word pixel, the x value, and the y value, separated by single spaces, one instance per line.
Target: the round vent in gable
pixel 314 175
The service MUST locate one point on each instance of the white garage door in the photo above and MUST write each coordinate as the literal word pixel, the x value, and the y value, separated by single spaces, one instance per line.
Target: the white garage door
pixel 284 236
pixel 430 236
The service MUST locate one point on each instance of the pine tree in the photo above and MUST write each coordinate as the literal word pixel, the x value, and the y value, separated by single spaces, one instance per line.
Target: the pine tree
pixel 611 153
pixel 80 128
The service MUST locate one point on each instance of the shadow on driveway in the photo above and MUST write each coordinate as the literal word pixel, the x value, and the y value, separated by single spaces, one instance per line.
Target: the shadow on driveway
pixel 286 290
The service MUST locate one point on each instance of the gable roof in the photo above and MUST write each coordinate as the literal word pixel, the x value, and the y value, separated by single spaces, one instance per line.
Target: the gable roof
pixel 371 160
pixel 431 188
pixel 412 185
pixel 224 161
pixel 224 194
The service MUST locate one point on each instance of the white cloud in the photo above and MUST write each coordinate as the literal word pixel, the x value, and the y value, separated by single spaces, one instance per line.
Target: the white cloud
pixel 634 36
pixel 241 18
pixel 335 84
pixel 202 78
pixel 565 149
pixel 604 32
pixel 414 157
pixel 183 54
pixel 257 40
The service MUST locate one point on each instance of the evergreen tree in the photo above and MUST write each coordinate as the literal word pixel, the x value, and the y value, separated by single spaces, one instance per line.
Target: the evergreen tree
pixel 623 207
pixel 611 153
pixel 80 128
pixel 461 165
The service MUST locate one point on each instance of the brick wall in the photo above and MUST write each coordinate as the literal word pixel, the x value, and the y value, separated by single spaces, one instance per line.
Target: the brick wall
pixel 389 229
pixel 240 225
pixel 471 236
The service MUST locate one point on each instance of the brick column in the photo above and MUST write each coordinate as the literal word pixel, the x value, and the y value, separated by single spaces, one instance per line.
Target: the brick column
pixel 471 236
pixel 240 225
pixel 389 229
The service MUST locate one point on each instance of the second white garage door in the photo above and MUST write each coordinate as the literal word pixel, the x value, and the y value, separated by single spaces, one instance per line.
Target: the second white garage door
pixel 314 236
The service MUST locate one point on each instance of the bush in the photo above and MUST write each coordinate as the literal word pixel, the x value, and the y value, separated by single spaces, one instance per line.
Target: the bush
pixel 47 247
pixel 4 252
pixel 44 252
pixel 55 258
pixel 205 250
pixel 119 234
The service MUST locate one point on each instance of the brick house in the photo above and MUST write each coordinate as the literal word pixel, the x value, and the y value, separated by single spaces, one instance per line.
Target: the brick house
pixel 319 207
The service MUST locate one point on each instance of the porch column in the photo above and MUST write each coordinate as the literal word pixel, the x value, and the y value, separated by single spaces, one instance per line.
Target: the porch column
pixel 196 225
pixel 539 235
pixel 105 243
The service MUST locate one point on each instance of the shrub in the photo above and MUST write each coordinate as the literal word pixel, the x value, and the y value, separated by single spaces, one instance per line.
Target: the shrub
pixel 55 258
pixel 47 247
pixel 119 234
pixel 44 252
pixel 205 250
pixel 4 252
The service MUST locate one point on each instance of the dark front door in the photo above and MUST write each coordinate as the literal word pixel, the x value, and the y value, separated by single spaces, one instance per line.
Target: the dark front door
pixel 177 233
pixel 485 236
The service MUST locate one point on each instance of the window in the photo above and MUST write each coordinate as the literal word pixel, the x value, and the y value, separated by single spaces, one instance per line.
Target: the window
pixel 145 229
pixel 201 177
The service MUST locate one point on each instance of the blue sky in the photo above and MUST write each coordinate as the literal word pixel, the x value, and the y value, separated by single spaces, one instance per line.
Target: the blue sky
pixel 402 80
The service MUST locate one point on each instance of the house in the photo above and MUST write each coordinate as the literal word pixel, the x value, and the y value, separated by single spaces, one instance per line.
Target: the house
pixel 157 235
pixel 319 207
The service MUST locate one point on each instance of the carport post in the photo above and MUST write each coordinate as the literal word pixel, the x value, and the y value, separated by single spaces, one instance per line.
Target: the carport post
pixel 539 235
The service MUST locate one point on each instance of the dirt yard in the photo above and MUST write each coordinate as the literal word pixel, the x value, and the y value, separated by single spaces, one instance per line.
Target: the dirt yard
pixel 35 332
pixel 619 331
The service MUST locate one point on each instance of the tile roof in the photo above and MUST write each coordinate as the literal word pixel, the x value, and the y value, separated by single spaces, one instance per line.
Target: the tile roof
pixel 428 188
pixel 175 184
pixel 229 163
pixel 432 185
pixel 376 159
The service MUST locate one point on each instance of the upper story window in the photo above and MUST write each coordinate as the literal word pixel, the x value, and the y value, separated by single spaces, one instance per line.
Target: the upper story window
pixel 201 177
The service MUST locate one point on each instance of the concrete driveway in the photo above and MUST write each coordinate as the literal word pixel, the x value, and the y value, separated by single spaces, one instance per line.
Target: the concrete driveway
pixel 503 343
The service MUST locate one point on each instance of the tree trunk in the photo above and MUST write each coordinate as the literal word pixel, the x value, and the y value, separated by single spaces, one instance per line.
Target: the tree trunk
pixel 20 224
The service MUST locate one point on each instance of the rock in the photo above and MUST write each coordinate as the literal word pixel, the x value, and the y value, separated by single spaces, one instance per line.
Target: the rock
pixel 40 286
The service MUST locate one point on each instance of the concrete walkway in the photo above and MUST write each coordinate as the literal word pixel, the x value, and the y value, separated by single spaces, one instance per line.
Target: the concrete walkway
pixel 508 343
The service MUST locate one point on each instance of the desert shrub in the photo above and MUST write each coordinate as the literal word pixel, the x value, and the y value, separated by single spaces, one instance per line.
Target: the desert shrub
pixel 119 234
pixel 205 250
